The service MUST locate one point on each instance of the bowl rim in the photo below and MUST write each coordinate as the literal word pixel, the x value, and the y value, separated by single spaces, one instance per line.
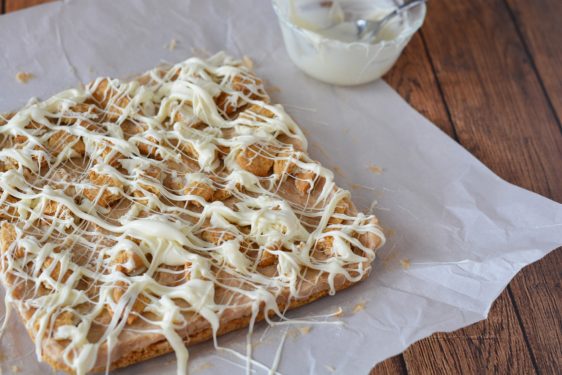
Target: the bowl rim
pixel 306 33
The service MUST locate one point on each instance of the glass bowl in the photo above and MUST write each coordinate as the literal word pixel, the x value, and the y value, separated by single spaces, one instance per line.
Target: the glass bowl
pixel 338 61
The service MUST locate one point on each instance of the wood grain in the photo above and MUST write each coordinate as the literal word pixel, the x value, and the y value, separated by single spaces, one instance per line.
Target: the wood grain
pixel 537 294
pixel 541 29
pixel 391 366
pixel 412 77
pixel 13 5
pixel 501 114
pixel 494 97
pixel 494 346
pixel 537 291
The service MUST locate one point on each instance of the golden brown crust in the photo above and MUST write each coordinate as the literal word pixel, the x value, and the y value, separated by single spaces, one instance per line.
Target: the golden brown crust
pixel 163 347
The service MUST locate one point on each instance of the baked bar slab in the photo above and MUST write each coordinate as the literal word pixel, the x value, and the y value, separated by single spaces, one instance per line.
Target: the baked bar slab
pixel 140 217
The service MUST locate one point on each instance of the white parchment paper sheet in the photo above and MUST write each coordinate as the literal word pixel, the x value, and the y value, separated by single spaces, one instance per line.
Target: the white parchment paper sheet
pixel 465 231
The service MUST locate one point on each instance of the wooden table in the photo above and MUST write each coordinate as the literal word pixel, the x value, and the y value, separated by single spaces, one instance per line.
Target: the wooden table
pixel 489 74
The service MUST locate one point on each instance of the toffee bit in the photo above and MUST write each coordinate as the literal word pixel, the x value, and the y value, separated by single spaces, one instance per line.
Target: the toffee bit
pixel 24 77
pixel 293 333
pixel 405 263
pixel 375 169
pixel 359 307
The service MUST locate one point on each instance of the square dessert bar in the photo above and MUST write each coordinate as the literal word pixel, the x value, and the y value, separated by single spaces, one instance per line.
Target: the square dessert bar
pixel 140 217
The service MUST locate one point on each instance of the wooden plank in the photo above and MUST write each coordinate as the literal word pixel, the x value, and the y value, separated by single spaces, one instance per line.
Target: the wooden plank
pixel 495 99
pixel 414 79
pixel 13 5
pixel 541 29
pixel 502 116
pixel 391 366
pixel 494 346
pixel 537 295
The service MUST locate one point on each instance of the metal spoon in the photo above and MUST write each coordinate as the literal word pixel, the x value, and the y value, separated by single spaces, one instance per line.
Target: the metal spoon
pixel 367 29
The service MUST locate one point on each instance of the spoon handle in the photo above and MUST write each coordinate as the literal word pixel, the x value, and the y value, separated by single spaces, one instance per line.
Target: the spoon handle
pixel 402 8
pixel 372 28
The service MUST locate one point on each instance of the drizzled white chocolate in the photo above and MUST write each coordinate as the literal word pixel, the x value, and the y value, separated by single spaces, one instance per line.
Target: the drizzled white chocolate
pixel 153 209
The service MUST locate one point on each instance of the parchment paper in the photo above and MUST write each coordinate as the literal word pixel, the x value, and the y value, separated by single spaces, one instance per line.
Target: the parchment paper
pixel 465 231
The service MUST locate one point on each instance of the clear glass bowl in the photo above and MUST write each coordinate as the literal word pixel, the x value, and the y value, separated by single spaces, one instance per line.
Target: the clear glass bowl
pixel 339 62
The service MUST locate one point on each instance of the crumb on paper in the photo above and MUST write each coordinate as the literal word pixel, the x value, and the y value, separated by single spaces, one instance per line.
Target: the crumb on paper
pixel 171 45
pixel 305 330
pixel 204 366
pixel 15 369
pixel 330 368
pixel 293 333
pixel 375 169
pixel 23 77
pixel 405 263
pixel 247 62
pixel 359 307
